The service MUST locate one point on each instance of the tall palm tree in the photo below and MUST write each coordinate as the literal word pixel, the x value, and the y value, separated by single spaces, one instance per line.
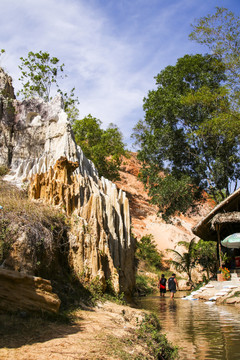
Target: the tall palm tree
pixel 186 261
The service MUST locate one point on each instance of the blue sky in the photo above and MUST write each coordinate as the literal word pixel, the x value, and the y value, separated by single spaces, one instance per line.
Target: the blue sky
pixel 112 49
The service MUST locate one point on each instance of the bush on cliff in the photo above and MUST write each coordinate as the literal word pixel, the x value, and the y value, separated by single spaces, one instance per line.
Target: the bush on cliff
pixel 148 260
pixel 103 147
pixel 147 251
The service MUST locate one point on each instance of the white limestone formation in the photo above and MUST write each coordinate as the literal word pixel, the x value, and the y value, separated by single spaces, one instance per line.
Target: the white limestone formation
pixel 42 134
pixel 39 148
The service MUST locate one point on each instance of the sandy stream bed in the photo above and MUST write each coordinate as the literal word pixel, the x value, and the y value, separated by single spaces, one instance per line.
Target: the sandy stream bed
pixel 97 334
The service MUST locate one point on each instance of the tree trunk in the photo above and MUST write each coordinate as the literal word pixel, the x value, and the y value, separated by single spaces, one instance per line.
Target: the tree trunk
pixel 219 245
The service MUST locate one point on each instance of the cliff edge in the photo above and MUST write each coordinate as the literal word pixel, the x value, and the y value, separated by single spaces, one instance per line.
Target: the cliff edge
pixel 38 147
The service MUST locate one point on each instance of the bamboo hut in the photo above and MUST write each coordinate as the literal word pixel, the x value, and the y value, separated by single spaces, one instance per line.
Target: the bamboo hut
pixel 222 221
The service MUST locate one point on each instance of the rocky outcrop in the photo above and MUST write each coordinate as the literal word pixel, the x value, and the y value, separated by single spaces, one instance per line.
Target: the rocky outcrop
pixel 43 153
pixel 24 292
pixel 100 241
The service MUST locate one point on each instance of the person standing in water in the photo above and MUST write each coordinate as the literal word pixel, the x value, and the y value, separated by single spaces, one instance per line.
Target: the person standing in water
pixel 162 285
pixel 172 285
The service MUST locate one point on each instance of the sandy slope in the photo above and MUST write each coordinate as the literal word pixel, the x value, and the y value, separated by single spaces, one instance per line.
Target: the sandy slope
pixel 144 215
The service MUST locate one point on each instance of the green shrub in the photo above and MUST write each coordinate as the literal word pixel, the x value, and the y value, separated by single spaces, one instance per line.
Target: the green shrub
pixel 143 285
pixel 147 251
pixel 96 288
pixel 3 170
pixel 149 331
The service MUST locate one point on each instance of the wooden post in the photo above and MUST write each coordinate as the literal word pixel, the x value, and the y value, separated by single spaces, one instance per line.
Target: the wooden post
pixel 219 244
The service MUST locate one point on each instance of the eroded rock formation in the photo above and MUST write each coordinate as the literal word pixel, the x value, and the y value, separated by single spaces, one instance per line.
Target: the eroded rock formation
pixel 7 113
pixel 24 292
pixel 42 152
pixel 100 242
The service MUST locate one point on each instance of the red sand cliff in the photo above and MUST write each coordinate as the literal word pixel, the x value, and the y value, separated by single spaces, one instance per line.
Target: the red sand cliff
pixel 144 215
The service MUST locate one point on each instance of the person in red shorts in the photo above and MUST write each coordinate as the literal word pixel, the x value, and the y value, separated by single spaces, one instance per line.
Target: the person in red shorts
pixel 162 285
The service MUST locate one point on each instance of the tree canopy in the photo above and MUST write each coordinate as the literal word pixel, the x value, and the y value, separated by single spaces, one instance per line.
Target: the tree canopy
pixel 220 32
pixel 203 253
pixel 103 147
pixel 146 249
pixel 185 262
pixel 39 71
pixel 189 139
pixel 70 104
pixel 206 256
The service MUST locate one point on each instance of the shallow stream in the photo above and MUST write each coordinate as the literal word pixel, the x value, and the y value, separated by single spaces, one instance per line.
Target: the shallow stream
pixel 202 331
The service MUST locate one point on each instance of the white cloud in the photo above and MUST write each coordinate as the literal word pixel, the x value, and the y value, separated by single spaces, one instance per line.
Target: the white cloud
pixel 111 49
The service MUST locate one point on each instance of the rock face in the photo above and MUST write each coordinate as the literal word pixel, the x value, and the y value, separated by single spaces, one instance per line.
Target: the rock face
pixel 7 113
pixel 100 241
pixel 25 292
pixel 42 152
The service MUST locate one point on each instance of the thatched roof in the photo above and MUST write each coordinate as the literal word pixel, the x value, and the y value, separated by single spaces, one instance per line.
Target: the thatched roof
pixel 227 212
pixel 224 218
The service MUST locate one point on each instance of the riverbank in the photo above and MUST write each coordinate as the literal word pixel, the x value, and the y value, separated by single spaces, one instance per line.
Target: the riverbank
pixel 107 331
pixel 219 292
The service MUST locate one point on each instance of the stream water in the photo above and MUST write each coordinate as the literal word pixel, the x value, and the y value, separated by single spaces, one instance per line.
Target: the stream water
pixel 202 331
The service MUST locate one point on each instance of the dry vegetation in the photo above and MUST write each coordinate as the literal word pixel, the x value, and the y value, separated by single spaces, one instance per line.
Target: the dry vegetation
pixel 15 203
pixel 34 239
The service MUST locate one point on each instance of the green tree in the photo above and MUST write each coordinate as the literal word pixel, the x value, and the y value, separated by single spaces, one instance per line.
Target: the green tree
pixel 189 139
pixel 88 134
pixel 185 262
pixel 220 32
pixel 39 71
pixel 70 104
pixel 147 251
pixel 103 147
pixel 206 256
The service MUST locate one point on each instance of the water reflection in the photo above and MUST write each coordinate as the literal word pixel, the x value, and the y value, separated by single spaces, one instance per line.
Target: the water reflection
pixel 204 332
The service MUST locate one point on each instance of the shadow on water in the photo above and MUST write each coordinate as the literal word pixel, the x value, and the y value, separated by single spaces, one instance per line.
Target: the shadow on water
pixel 202 331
